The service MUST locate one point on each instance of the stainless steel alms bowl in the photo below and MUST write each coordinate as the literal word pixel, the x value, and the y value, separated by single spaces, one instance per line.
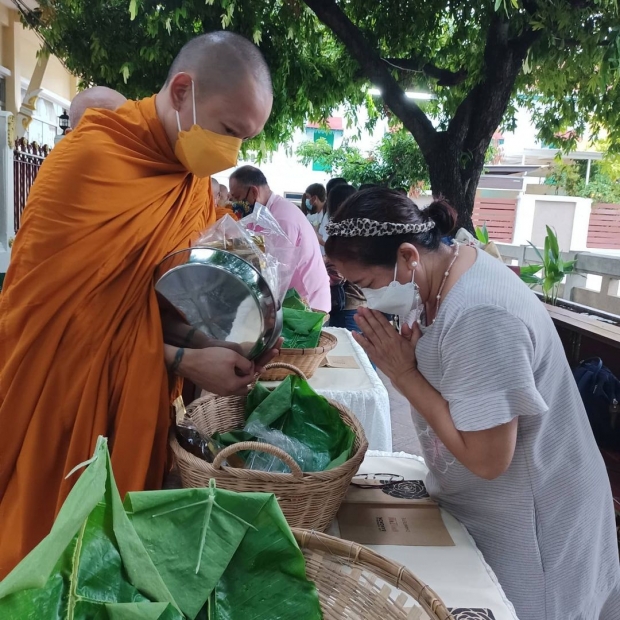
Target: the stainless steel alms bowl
pixel 222 295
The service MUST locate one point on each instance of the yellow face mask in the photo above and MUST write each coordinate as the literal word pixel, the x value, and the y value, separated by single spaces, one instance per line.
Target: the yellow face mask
pixel 204 152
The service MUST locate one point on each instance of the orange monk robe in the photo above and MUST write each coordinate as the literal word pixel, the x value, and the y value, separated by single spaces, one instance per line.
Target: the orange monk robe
pixel 81 351
pixel 220 212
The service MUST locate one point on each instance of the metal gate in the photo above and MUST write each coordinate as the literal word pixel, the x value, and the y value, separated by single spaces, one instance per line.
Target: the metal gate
pixel 27 159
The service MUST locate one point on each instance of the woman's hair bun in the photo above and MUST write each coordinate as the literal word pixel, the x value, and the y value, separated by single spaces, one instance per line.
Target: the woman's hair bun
pixel 443 214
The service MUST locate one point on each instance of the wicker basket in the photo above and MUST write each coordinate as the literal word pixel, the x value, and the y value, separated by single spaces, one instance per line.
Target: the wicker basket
pixel 355 583
pixel 306 360
pixel 308 500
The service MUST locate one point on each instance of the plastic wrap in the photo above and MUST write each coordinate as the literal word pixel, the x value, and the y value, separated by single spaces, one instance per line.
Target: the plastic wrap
pixel 296 419
pixel 307 458
pixel 258 239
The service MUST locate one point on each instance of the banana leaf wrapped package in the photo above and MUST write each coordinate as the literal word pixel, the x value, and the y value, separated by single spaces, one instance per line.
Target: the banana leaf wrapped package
pixel 296 419
pixel 167 555
pixel 301 329
pixel 293 300
pixel 301 326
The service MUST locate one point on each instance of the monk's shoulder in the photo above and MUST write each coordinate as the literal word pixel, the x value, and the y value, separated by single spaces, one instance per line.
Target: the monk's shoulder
pixel 111 145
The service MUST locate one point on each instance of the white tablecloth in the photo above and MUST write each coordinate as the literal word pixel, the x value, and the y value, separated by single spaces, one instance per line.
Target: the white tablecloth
pixel 359 389
pixel 458 574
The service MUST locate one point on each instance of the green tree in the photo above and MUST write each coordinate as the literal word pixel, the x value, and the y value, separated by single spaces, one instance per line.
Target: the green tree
pixel 479 59
pixel 395 162
pixel 603 185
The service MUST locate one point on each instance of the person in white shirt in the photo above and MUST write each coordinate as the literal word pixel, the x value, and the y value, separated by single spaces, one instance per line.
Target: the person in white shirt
pixel 313 206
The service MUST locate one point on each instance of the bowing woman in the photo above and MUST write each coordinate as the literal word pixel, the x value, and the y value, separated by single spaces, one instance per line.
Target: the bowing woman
pixel 502 426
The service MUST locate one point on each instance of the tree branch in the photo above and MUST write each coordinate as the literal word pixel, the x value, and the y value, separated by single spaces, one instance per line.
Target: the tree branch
pixel 444 77
pixel 376 70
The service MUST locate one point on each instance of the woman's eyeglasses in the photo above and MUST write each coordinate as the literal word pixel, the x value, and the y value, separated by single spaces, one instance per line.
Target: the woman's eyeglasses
pixel 376 481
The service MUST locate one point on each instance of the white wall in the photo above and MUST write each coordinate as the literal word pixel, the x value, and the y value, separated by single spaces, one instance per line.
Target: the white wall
pixel 528 222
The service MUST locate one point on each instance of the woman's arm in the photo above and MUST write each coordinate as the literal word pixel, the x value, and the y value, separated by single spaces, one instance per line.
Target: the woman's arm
pixel 487 453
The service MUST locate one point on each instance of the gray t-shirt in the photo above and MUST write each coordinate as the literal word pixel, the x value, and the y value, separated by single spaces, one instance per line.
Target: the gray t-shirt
pixel 546 525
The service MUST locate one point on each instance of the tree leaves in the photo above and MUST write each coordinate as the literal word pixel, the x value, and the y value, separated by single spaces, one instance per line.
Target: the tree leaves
pixel 569 79
pixel 396 161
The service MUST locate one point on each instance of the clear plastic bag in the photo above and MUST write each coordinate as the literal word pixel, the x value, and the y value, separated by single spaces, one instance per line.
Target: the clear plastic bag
pixel 258 239
pixel 279 248
pixel 305 457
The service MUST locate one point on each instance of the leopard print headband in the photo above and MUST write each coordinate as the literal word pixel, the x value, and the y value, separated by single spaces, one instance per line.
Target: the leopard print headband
pixel 363 227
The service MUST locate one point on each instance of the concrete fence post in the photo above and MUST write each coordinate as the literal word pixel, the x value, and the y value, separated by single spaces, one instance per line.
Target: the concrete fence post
pixel 7 220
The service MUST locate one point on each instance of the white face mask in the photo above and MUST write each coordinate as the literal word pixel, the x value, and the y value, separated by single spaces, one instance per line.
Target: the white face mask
pixel 396 298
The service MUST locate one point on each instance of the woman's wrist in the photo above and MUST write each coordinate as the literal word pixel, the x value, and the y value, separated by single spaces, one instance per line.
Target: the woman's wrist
pixel 408 380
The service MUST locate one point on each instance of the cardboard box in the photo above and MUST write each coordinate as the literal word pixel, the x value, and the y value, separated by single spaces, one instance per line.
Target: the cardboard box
pixel 376 517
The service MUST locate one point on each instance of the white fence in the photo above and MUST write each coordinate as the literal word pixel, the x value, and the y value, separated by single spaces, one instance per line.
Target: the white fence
pixel 7 224
pixel 595 282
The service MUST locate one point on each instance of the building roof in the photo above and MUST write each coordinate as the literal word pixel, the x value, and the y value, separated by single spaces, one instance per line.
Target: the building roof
pixel 334 123
pixel 508 170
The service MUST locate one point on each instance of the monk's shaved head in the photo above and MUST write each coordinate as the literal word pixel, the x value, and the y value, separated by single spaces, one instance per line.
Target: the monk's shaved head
pixel 221 61
pixel 219 82
pixel 95 97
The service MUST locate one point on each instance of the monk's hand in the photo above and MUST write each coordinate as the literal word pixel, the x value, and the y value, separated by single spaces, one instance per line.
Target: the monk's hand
pixel 392 353
pixel 218 370
pixel 268 356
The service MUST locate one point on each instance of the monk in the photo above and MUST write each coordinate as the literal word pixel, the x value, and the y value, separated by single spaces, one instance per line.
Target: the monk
pixel 224 197
pixel 95 97
pixel 81 346
pixel 220 210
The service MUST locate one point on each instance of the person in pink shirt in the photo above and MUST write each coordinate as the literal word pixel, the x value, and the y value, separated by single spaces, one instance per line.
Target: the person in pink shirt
pixel 248 184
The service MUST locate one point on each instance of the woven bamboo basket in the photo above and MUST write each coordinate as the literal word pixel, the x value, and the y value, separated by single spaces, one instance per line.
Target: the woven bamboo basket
pixel 306 360
pixel 355 583
pixel 308 500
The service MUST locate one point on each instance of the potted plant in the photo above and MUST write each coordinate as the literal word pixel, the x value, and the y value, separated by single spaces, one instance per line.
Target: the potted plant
pixel 551 270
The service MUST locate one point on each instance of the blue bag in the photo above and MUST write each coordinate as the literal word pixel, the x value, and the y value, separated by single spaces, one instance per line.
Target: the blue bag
pixel 600 392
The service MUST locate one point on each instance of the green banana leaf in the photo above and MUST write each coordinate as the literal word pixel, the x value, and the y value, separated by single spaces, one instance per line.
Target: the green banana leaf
pixel 174 555
pixel 200 522
pixel 293 300
pixel 92 565
pixel 297 411
pixel 301 329
pixel 253 565
pixel 269 569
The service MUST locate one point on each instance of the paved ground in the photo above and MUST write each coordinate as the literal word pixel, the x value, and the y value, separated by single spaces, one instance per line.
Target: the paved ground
pixel 404 438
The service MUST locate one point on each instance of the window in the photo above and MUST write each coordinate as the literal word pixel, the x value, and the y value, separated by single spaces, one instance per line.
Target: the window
pixel 294 197
pixel 315 135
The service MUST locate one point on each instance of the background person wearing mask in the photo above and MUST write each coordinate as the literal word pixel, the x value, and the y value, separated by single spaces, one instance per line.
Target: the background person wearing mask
pixel 314 203
pixel 346 297
pixel 248 185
